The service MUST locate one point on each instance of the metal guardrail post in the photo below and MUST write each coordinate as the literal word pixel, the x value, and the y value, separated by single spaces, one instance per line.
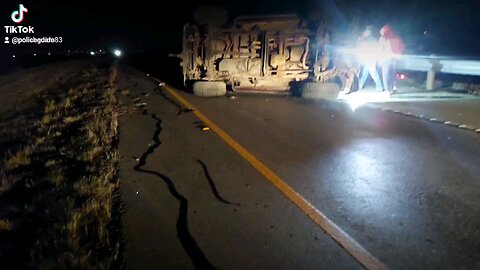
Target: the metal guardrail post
pixel 435 67
pixel 430 79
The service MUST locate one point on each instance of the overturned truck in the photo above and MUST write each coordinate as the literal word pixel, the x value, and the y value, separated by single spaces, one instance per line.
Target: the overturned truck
pixel 265 54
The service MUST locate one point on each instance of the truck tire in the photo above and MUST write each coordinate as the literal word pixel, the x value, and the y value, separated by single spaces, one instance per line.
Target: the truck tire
pixel 320 90
pixel 209 89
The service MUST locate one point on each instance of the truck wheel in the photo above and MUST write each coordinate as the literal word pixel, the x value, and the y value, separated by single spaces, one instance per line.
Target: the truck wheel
pixel 209 89
pixel 320 90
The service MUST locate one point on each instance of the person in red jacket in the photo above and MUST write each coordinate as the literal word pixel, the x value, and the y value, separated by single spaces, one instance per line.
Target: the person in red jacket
pixel 392 48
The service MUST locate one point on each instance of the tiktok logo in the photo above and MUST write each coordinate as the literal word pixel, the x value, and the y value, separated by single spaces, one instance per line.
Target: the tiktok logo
pixel 17 15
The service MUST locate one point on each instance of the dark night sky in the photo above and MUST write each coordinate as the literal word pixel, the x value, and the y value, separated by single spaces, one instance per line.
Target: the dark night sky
pixel 136 25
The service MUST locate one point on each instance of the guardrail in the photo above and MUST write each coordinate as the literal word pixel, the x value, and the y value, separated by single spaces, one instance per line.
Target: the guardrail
pixel 432 65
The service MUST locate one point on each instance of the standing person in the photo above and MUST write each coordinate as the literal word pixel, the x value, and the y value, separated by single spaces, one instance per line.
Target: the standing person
pixel 367 53
pixel 392 48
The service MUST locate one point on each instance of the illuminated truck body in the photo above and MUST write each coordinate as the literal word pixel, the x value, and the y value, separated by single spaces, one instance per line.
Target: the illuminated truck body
pixel 260 54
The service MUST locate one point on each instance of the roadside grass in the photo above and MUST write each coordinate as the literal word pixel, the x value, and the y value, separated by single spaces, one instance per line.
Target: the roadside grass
pixel 5 225
pixel 20 158
pixel 58 189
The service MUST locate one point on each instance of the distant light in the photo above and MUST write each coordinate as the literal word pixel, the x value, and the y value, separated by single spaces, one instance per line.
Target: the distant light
pixel 92 53
pixel 117 53
pixel 49 53
pixel 425 32
pixel 13 56
pixel 401 76
pixel 34 54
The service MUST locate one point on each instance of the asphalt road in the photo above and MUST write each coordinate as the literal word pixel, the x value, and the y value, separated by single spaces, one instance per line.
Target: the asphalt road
pixel 459 111
pixel 407 190
pixel 456 109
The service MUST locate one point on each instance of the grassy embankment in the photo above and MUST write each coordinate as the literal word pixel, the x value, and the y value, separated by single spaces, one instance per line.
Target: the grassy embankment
pixel 57 185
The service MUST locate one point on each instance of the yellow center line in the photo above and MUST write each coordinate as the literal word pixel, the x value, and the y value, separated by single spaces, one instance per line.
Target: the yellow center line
pixel 335 232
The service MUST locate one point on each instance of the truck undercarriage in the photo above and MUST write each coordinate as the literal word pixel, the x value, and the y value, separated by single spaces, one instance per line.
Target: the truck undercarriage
pixel 261 54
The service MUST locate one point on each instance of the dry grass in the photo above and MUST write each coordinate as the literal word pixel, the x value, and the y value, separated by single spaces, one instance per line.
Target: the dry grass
pixel 56 176
pixel 50 163
pixel 20 158
pixel 93 218
pixel 5 184
pixel 72 119
pixel 67 103
pixel 74 139
pixel 5 225
pixel 50 107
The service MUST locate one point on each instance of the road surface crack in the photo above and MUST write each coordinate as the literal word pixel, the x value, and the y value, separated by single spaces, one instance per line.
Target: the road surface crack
pixel 180 108
pixel 213 186
pixel 186 239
